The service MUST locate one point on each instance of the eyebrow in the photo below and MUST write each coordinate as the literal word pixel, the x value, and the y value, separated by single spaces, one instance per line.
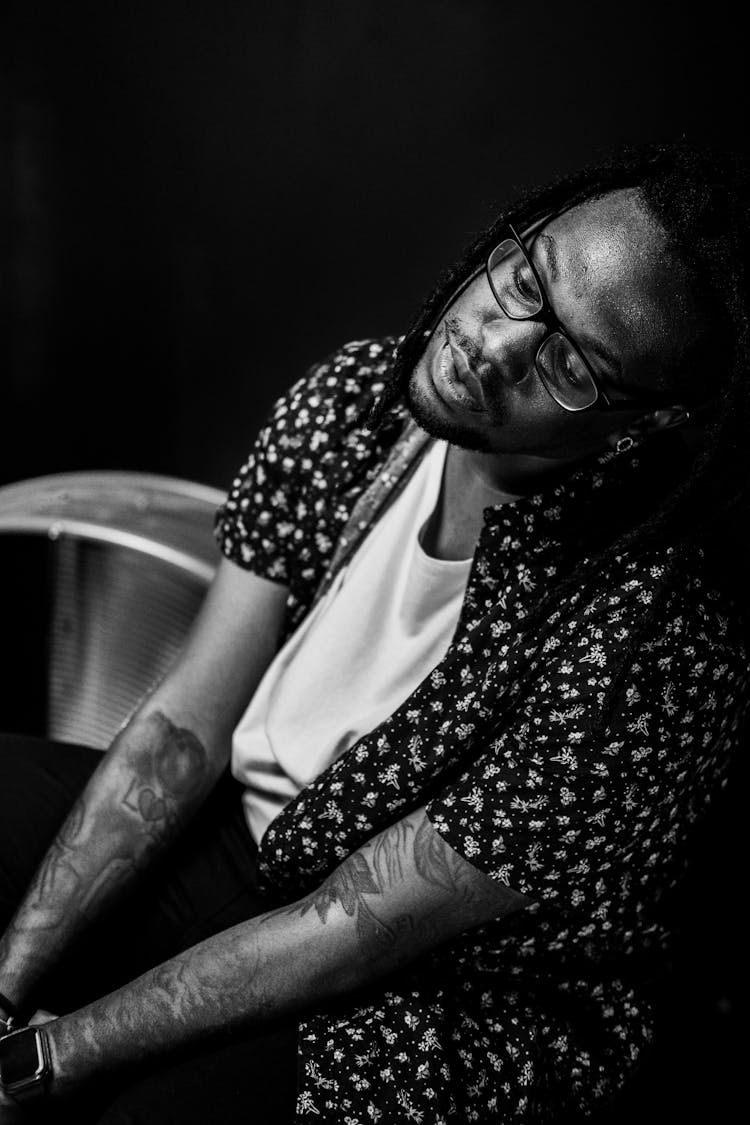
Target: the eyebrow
pixel 550 247
pixel 552 268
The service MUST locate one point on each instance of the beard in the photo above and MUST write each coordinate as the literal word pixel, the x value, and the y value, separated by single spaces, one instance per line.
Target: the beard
pixel 422 409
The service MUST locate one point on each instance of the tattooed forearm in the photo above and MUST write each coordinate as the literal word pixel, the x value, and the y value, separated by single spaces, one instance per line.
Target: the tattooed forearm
pixel 113 828
pixel 227 982
pixel 146 787
pixel 401 894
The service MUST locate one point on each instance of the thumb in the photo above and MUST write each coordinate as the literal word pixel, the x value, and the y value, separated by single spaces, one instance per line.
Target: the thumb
pixel 40 1017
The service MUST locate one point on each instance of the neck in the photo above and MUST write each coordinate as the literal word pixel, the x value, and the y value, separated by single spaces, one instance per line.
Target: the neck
pixel 513 475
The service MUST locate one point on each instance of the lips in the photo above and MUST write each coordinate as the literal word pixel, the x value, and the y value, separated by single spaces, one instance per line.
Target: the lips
pixel 467 376
pixel 454 381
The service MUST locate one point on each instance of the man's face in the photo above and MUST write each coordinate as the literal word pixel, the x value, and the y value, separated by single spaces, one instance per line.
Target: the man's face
pixel 617 291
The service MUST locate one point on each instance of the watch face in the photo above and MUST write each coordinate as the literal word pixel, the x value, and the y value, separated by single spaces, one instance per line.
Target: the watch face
pixel 21 1058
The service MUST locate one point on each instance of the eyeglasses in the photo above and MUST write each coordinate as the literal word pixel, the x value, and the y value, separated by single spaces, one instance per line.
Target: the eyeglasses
pixel 563 369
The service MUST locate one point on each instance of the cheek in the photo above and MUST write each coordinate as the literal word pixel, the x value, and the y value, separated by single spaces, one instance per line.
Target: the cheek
pixel 535 423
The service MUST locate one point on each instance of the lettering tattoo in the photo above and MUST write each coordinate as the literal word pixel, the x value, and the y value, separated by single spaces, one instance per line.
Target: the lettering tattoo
pixel 146 787
pixel 165 782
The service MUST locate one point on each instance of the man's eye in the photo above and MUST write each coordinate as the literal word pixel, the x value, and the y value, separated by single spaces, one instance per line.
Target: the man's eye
pixel 572 370
pixel 525 285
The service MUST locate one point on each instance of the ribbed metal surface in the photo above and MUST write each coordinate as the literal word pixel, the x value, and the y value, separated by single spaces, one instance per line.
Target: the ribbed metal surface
pixel 118 620
pixel 131 556
pixel 168 518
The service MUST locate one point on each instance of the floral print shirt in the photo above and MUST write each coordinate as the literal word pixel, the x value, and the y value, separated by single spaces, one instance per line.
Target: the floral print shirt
pixel 548 1009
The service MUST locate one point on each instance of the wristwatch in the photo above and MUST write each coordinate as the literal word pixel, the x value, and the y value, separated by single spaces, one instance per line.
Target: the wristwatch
pixel 25 1064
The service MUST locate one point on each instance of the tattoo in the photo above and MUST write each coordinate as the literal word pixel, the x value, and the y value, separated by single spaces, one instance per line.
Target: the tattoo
pixel 105 884
pixel 193 984
pixel 365 874
pixel 165 770
pixel 207 991
pixel 5 943
pixel 407 890
pixel 435 861
pixel 348 885
pixel 369 874
pixel 398 860
pixel 167 777
pixel 161 772
pixel 389 852
pixel 59 860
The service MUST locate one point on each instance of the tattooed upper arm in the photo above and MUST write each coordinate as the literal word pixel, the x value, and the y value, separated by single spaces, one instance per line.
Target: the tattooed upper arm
pixel 405 891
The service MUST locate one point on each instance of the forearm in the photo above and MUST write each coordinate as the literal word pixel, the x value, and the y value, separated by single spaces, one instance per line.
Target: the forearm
pixel 235 980
pixel 397 897
pixel 258 971
pixel 149 783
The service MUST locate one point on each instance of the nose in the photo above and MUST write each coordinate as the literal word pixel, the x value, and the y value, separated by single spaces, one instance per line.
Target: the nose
pixel 510 346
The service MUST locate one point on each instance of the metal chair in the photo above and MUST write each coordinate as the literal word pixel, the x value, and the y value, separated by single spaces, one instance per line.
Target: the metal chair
pixel 129 557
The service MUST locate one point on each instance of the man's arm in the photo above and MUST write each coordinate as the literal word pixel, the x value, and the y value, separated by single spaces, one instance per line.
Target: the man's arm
pixel 157 773
pixel 401 894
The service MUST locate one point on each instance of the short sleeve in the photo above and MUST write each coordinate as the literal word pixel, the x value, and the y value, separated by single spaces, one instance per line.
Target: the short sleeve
pixel 255 525
pixel 568 810
pixel 281 515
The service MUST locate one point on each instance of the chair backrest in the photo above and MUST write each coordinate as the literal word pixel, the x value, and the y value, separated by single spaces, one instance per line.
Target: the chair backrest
pixel 130 558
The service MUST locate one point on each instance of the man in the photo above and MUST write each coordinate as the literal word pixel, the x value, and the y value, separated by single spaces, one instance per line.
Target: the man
pixel 478 680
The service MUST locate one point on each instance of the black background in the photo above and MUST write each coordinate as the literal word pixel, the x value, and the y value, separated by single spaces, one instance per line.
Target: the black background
pixel 199 199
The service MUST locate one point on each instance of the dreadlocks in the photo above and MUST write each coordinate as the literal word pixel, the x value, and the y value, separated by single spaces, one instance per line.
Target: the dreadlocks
pixel 701 200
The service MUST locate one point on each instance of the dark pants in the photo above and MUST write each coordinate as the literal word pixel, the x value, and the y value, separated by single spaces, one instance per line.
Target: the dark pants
pixel 204 885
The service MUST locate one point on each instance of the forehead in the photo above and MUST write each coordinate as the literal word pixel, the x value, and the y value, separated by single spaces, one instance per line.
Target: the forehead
pixel 612 279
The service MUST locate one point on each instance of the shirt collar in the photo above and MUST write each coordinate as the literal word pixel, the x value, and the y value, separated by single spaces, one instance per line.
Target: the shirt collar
pixel 600 492
pixel 606 490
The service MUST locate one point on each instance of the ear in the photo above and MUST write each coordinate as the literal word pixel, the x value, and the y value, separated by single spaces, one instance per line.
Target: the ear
pixel 665 418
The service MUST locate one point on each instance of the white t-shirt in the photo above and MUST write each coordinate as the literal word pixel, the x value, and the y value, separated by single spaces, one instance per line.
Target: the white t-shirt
pixel 384 624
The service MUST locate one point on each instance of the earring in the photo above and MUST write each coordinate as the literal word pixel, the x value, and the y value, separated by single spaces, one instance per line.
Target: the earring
pixel 624 444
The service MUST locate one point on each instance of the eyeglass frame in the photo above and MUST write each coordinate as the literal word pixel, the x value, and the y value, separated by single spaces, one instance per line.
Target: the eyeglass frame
pixel 547 316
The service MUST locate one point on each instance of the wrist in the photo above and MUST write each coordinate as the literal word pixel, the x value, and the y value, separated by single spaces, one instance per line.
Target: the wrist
pixel 7 1007
pixel 60 1082
pixel 8 1016
pixel 11 1012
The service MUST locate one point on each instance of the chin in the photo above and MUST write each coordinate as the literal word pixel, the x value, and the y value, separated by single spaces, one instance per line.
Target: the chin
pixel 430 415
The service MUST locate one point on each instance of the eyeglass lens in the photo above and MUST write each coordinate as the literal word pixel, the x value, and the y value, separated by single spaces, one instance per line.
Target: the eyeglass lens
pixel 560 367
